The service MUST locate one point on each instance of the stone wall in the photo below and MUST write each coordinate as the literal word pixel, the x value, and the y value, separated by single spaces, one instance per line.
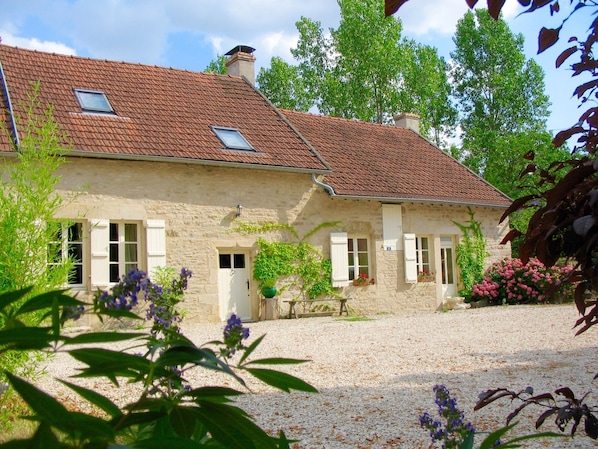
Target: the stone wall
pixel 199 204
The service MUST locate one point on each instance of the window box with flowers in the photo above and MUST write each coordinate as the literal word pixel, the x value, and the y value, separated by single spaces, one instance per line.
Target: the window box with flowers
pixel 425 276
pixel 362 280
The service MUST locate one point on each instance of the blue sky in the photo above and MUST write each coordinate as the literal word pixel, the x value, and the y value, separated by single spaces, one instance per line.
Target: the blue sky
pixel 188 34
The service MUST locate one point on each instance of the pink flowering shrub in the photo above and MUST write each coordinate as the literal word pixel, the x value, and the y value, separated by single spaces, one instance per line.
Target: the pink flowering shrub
pixel 510 281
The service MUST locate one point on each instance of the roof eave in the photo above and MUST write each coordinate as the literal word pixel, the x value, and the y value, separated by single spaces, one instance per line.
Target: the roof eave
pixel 180 160
pixel 399 200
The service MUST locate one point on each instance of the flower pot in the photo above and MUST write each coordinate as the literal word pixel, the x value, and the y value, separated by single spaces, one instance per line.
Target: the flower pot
pixel 269 292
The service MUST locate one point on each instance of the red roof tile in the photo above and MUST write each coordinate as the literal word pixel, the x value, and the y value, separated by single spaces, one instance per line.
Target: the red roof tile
pixel 160 112
pixel 390 162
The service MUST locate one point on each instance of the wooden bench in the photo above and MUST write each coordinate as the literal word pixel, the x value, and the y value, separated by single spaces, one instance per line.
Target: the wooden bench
pixel 293 313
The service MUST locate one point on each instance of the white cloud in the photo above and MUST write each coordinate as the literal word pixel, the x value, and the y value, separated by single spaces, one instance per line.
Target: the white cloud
pixel 36 44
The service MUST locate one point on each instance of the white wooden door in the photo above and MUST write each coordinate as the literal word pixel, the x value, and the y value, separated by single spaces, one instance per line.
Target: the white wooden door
pixel 233 286
pixel 447 258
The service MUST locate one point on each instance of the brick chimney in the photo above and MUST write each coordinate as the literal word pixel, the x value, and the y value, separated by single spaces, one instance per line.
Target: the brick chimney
pixel 240 62
pixel 407 120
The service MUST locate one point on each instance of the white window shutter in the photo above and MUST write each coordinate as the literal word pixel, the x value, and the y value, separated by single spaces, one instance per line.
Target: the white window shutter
pixel 156 244
pixel 392 227
pixel 410 258
pixel 100 242
pixel 339 256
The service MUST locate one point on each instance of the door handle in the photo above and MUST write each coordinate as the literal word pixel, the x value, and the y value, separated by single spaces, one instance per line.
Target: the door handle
pixel 247 284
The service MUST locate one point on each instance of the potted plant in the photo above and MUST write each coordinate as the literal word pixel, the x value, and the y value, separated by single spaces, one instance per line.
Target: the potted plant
pixel 425 276
pixel 362 280
pixel 268 287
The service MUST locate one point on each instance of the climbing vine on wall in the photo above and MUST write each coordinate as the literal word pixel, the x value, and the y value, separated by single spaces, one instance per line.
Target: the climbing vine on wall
pixel 471 254
pixel 296 262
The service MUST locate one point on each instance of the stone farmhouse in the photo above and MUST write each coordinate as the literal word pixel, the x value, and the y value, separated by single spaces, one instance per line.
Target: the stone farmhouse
pixel 164 163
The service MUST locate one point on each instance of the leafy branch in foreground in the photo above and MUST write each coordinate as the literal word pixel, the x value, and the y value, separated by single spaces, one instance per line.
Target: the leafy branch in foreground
pixel 168 411
pixel 562 405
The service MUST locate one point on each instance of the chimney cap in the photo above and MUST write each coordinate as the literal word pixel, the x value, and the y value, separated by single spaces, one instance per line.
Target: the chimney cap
pixel 240 49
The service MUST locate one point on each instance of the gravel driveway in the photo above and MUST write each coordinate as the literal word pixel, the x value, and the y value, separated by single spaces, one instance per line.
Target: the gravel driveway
pixel 375 376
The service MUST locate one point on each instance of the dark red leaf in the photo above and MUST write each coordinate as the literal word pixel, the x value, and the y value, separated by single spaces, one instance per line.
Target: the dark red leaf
pixel 492 395
pixel 581 89
pixel 555 7
pixel 537 4
pixel 564 55
pixel 567 392
pixel 530 168
pixel 512 235
pixel 591 426
pixel 547 38
pixel 494 8
pixel 543 417
pixel 392 6
pixel 563 136
pixel 524 2
pixel 530 155
pixel 584 224
pixel 515 412
pixel 543 397
pixel 471 3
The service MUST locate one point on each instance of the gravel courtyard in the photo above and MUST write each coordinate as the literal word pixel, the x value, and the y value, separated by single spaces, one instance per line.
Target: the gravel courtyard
pixel 375 376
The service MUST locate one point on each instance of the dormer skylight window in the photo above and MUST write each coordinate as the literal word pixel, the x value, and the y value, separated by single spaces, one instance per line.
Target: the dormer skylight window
pixel 232 138
pixel 93 101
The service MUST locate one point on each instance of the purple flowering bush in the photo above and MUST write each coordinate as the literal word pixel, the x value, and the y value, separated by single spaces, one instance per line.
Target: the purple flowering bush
pixel 169 411
pixel 510 281
pixel 161 300
pixel 451 430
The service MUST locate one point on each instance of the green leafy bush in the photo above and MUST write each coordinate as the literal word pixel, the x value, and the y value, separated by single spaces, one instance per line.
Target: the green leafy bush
pixel 168 412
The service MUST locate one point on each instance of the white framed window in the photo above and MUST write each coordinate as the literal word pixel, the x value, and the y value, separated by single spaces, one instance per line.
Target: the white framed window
pixel 123 249
pixel 422 255
pixel 359 257
pixel 117 247
pixel 68 244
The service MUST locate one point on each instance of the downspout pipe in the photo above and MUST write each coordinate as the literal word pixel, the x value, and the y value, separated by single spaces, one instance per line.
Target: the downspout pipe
pixel 326 187
pixel 10 109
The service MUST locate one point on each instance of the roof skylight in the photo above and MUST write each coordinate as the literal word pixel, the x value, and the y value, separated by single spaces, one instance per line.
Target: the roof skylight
pixel 93 101
pixel 232 138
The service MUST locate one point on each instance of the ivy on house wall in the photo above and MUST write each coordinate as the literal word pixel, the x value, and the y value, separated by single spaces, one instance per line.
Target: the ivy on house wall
pixel 471 254
pixel 296 263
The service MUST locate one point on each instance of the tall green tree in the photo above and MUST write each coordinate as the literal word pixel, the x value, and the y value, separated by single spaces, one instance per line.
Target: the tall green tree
pixel 499 93
pixel 282 84
pixel 29 202
pixel 29 233
pixel 365 69
pixel 217 66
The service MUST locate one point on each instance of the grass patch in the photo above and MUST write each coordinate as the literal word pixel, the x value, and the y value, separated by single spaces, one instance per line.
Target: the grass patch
pixel 358 318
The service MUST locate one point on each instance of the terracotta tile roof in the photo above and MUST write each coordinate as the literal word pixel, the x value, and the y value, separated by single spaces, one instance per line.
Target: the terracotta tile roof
pixel 382 161
pixel 161 112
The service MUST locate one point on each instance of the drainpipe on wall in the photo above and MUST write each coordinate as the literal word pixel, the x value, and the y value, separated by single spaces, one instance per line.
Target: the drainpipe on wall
pixel 10 109
pixel 326 187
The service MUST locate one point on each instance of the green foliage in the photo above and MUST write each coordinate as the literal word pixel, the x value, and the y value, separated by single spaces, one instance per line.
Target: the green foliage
pixel 364 69
pixel 498 92
pixel 28 230
pixel 28 202
pixel 217 66
pixel 471 254
pixel 167 412
pixel 283 86
pixel 298 262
